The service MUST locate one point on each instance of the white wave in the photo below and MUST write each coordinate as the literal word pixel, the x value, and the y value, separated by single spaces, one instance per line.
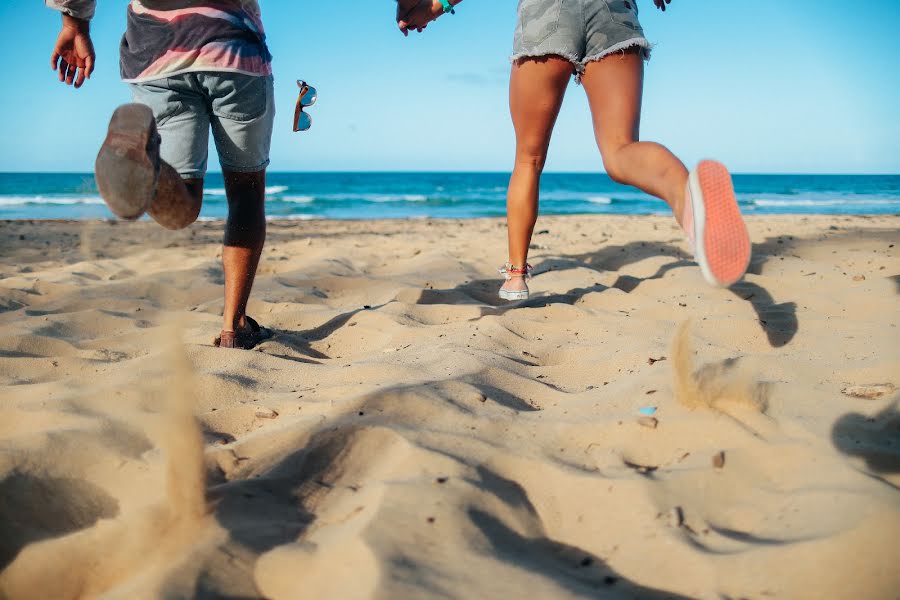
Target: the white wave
pixel 293 217
pixel 393 198
pixel 297 199
pixel 268 218
pixel 828 202
pixel 48 200
pixel 271 190
pixel 588 196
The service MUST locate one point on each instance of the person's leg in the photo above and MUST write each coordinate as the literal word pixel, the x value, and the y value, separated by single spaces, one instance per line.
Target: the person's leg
pixel 154 156
pixel 536 90
pixel 182 116
pixel 614 87
pixel 703 201
pixel 245 235
pixel 243 113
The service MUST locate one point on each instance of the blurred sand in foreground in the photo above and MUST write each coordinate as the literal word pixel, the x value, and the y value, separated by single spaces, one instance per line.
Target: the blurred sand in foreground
pixel 406 435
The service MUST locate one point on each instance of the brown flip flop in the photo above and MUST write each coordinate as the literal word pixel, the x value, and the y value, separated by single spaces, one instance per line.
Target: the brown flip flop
pixel 127 166
pixel 243 339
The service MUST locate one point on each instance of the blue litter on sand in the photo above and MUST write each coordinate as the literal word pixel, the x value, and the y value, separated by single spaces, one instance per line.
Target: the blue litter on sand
pixel 648 410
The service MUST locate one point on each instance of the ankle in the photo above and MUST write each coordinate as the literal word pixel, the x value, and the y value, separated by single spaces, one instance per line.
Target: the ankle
pixel 511 269
pixel 232 325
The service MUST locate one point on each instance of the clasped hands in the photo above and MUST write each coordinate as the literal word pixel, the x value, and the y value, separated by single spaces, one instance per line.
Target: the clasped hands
pixel 415 15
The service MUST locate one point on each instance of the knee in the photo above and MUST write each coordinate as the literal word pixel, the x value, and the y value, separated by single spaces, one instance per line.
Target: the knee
pixel 614 167
pixel 177 220
pixel 193 212
pixel 531 158
pixel 531 163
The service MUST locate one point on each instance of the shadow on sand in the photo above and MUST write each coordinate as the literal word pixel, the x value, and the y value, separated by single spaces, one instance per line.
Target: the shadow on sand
pixel 778 320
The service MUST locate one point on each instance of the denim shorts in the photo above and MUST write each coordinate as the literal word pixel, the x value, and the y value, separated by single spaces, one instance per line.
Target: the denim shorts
pixel 239 108
pixel 578 30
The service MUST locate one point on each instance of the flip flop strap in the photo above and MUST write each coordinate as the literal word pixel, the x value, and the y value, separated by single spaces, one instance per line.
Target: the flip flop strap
pixel 251 322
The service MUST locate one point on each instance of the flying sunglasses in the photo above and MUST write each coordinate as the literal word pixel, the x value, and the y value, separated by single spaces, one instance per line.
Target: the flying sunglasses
pixel 308 96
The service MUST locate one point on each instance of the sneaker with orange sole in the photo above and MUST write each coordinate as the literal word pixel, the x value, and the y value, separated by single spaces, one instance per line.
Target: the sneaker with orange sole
pixel 714 225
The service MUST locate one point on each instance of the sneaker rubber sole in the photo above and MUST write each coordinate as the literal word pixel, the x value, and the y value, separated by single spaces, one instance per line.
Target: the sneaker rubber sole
pixel 513 295
pixel 721 242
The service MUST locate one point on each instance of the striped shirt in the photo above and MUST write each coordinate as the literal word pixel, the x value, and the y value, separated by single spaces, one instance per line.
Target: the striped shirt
pixel 165 38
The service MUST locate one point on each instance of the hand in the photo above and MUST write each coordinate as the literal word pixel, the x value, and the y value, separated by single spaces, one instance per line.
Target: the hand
pixel 423 13
pixel 404 7
pixel 73 55
pixel 661 4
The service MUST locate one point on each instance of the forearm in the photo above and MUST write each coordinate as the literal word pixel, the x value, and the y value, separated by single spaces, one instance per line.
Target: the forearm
pixel 79 10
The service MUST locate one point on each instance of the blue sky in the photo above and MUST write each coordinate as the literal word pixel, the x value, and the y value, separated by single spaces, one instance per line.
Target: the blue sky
pixel 767 86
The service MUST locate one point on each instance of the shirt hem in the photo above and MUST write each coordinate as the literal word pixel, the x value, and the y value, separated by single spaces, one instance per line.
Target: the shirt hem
pixel 159 76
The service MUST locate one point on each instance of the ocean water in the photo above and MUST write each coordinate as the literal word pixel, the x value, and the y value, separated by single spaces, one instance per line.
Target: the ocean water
pixel 456 195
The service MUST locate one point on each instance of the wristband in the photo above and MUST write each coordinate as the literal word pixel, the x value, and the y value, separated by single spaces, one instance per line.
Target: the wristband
pixel 448 8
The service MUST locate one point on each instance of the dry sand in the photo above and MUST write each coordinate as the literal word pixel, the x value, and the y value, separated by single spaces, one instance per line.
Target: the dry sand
pixel 406 436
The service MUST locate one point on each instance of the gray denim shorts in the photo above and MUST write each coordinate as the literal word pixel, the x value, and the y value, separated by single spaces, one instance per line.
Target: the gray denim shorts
pixel 239 108
pixel 579 30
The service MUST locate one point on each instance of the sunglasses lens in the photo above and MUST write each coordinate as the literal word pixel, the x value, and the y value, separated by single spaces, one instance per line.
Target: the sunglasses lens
pixel 310 97
pixel 304 122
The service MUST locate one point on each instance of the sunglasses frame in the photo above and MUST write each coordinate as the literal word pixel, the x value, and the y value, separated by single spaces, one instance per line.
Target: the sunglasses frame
pixel 298 110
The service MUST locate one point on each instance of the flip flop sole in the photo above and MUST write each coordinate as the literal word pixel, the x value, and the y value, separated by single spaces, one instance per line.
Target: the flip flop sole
pixel 723 244
pixel 125 172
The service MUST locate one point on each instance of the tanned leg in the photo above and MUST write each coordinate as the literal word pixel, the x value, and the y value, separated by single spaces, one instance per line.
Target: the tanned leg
pixel 536 91
pixel 245 235
pixel 614 86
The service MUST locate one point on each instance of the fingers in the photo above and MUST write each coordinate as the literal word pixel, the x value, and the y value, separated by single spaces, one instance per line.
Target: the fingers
pixel 54 60
pixel 70 74
pixel 74 74
pixel 80 77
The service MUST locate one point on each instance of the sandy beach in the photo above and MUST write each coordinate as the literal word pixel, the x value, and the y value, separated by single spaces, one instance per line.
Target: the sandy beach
pixel 628 432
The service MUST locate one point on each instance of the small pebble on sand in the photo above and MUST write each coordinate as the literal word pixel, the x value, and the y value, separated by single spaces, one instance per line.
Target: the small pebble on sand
pixel 718 460
pixel 650 422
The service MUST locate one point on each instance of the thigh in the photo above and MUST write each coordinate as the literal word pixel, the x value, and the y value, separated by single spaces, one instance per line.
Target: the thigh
pixel 182 119
pixel 243 115
pixel 536 90
pixel 614 86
